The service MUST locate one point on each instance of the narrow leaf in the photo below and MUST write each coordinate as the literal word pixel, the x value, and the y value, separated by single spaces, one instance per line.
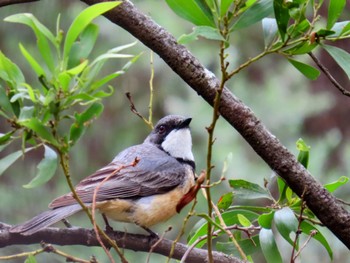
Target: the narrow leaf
pixel 331 187
pixel 306 228
pixel 83 20
pixel 304 152
pixel 269 247
pixel 246 245
pixel 192 10
pixel 32 62
pixel 307 70
pixel 46 168
pixel 282 16
pixel 203 31
pixel 270 29
pixel 340 56
pixel 42 34
pixel 243 220
pixel 286 223
pixel 254 14
pixel 8 160
pixel 35 125
pixel 247 190
pixel 229 217
pixel 335 9
pixel 11 71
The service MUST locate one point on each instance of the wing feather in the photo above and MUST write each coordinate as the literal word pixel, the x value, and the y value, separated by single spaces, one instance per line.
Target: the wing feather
pixel 155 173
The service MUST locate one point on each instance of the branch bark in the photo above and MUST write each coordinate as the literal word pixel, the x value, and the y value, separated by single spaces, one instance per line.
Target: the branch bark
pixel 87 237
pixel 241 117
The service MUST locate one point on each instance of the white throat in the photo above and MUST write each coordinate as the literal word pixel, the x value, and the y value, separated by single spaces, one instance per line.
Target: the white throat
pixel 178 144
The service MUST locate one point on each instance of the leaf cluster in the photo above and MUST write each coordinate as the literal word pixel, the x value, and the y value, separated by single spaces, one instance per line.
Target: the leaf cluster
pixel 55 111
pixel 256 227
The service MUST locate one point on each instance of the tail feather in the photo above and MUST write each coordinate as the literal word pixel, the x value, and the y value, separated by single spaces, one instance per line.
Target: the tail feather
pixel 45 219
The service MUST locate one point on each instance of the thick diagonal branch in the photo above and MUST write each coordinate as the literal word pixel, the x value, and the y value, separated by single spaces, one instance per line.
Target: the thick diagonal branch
pixel 265 144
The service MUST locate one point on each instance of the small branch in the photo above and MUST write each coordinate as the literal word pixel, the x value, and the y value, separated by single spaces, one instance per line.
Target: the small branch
pixel 87 237
pixel 329 75
pixel 135 111
pixel 13 2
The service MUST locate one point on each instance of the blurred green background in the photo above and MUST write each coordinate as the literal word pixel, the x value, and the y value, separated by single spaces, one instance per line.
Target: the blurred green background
pixel 287 103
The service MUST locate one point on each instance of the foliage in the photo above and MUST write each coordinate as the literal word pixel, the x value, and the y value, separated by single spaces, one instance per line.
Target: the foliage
pixel 56 111
pixel 290 30
pixel 293 31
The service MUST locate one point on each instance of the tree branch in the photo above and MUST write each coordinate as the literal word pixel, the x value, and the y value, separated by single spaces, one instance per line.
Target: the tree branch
pixel 241 117
pixel 87 237
pixel 12 2
pixel 329 75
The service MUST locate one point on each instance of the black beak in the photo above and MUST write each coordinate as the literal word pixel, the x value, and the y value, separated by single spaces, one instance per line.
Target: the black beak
pixel 185 123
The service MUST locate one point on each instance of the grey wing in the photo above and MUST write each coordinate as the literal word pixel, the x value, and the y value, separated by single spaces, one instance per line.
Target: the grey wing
pixel 155 173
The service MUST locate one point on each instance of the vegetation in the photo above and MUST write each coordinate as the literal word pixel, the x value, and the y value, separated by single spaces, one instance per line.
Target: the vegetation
pixel 243 219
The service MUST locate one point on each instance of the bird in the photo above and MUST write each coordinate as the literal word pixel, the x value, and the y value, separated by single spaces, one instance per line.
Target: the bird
pixel 145 184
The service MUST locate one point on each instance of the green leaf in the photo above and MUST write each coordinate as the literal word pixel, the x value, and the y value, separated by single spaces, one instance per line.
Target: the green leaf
pixel 340 56
pixel 254 14
pixel 42 131
pixel 27 113
pixel 304 152
pixel 246 245
pixel 307 70
pixel 30 259
pixel 224 7
pixel 306 228
pixel 32 62
pixel 203 31
pixel 82 49
pixel 270 29
pixel 82 121
pixel 335 9
pixel 265 220
pixel 229 217
pixel 5 104
pixel 82 21
pixel 282 16
pixel 247 190
pixel 10 71
pixel 47 168
pixel 42 34
pixel 195 11
pixel 340 29
pixel 5 138
pixel 286 223
pixel 269 247
pixel 8 160
pixel 78 69
pixel 243 220
pixel 225 201
pixel 331 187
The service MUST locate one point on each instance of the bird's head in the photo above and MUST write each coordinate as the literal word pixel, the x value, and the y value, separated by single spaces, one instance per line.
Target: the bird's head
pixel 172 134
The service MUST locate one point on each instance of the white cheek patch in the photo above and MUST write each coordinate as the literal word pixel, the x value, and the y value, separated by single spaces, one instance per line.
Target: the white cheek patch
pixel 178 144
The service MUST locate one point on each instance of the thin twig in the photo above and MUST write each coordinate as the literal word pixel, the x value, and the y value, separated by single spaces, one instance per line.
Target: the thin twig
pixel 156 244
pixel 312 233
pixel 135 111
pixel 329 75
pixel 96 227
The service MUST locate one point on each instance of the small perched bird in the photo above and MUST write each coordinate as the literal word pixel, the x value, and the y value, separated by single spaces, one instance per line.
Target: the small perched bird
pixel 159 184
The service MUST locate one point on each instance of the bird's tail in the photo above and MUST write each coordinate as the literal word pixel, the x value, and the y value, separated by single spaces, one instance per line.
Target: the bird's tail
pixel 45 219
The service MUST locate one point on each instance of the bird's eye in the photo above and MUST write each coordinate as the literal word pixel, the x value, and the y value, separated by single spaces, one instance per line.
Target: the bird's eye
pixel 161 129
